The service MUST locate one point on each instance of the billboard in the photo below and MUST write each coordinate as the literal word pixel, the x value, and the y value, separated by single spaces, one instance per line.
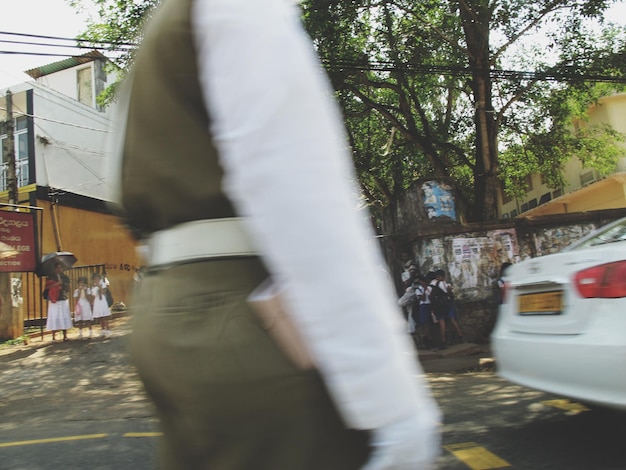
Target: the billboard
pixel 17 236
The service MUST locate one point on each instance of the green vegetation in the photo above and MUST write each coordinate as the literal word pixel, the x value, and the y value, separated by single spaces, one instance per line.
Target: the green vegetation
pixel 452 88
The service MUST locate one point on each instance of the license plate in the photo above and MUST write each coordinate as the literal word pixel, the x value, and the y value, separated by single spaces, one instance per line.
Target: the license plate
pixel 544 303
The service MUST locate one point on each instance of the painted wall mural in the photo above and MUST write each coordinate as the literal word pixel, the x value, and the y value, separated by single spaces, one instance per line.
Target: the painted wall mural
pixel 438 200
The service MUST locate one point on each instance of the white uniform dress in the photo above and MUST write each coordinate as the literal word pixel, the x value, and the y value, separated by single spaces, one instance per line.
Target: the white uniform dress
pixel 100 306
pixel 59 317
pixel 83 313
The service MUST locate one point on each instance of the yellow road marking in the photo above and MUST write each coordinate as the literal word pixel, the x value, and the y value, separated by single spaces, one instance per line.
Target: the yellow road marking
pixel 476 457
pixel 566 405
pixel 52 439
pixel 143 434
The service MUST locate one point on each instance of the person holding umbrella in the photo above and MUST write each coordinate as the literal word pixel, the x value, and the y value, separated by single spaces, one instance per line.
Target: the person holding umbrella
pixel 59 317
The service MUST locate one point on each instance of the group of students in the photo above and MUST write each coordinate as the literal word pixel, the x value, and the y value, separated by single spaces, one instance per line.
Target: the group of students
pixel 428 302
pixel 91 303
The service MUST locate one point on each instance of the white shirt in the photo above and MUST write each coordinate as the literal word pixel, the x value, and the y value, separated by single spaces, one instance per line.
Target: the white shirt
pixel 422 294
pixel 288 170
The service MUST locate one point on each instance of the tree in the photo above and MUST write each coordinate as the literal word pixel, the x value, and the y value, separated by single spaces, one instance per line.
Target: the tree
pixel 425 93
pixel 117 26
pixel 429 76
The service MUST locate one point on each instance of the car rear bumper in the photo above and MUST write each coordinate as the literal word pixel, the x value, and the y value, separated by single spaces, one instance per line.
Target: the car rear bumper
pixel 590 368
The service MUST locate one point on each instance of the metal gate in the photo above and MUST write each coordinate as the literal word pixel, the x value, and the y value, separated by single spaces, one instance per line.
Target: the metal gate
pixel 30 288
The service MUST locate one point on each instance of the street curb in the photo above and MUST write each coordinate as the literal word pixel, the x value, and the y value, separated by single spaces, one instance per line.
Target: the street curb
pixel 457 358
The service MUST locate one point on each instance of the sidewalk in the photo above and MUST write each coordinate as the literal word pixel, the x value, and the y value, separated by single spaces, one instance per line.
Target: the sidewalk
pixel 457 358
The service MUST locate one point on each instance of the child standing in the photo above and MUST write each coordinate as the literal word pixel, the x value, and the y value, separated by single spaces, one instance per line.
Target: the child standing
pixel 83 315
pixel 99 302
pixel 447 288
pixel 59 317
pixel 424 312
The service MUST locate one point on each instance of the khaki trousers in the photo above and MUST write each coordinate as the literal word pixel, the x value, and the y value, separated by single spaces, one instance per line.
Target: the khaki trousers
pixel 227 398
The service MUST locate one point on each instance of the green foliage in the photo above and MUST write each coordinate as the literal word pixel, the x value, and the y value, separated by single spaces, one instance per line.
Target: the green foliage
pixel 419 86
pixel 117 27
pixel 12 342
pixel 425 71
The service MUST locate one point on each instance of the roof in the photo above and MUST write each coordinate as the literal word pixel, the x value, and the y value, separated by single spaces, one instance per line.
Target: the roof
pixel 64 64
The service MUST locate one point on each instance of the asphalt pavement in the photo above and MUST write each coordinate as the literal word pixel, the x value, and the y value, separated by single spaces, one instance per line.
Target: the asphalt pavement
pixel 80 404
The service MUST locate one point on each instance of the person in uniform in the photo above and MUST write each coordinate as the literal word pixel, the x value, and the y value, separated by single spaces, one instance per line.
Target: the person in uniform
pixel 234 169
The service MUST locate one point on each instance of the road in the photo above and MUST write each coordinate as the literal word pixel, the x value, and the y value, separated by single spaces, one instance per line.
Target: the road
pixel 80 405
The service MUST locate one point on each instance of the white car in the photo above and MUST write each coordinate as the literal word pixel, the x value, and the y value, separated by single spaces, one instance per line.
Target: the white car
pixel 562 326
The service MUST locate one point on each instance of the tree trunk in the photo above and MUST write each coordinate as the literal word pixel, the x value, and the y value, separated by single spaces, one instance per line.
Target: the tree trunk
pixel 476 20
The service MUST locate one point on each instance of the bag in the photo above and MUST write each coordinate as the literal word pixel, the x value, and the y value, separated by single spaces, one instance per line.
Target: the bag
pixel 109 297
pixel 78 310
pixel 45 294
pixel 440 300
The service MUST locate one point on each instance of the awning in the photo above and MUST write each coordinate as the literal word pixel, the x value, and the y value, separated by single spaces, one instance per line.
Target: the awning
pixel 607 193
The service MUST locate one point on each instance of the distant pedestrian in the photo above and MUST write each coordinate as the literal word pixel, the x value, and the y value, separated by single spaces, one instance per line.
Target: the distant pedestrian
pixel 57 288
pixel 83 316
pixel 408 302
pixel 423 309
pixel 439 305
pixel 100 306
pixel 452 312
pixel 501 292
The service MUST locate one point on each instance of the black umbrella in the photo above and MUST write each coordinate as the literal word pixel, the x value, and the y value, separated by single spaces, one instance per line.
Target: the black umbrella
pixel 49 261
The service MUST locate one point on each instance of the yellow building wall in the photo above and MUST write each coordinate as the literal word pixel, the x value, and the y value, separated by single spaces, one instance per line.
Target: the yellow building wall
pixel 94 238
pixel 610 110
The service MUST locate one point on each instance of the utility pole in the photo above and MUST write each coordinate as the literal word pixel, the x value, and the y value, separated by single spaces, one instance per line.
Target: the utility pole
pixel 10 150
pixel 11 319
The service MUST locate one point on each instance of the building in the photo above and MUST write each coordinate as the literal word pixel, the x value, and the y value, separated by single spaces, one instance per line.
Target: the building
pixel 585 188
pixel 60 138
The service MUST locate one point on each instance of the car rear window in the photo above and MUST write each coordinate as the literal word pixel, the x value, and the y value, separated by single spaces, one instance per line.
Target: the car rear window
pixel 615 232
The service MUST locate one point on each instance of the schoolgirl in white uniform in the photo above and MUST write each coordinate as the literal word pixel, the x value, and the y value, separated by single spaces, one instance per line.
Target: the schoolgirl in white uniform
pixel 101 308
pixel 83 316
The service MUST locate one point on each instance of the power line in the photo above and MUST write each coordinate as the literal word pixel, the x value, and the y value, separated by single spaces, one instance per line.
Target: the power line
pixel 91 47
pixel 56 121
pixel 569 74
pixel 57 38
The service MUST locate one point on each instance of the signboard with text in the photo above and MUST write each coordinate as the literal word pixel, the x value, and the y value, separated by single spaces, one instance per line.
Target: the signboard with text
pixel 17 231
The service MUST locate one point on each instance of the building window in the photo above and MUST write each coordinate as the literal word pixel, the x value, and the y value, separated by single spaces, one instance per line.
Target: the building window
pixel 85 86
pixel 545 198
pixel 21 155
pixel 587 177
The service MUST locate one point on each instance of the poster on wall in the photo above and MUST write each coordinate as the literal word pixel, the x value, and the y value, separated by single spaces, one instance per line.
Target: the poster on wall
pixel 504 245
pixel 438 200
pixel 17 242
pixel 477 260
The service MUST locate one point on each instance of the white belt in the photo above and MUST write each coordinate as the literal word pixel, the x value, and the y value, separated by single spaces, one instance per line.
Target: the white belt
pixel 196 240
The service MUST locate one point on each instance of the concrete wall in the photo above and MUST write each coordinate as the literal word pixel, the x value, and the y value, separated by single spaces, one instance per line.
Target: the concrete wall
pixel 471 254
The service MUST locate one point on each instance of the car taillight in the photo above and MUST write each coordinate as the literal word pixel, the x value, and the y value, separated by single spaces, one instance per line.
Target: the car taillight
pixel 603 281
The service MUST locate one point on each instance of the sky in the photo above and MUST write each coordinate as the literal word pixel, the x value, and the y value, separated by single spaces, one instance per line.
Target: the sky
pixel 56 18
pixel 39 17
